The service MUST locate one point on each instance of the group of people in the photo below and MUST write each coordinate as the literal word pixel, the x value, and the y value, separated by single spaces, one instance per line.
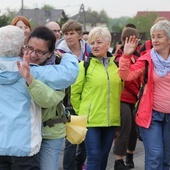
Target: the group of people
pixel 42 72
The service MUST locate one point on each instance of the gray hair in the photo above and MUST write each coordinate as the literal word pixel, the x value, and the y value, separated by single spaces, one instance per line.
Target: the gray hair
pixel 99 32
pixel 162 25
pixel 11 41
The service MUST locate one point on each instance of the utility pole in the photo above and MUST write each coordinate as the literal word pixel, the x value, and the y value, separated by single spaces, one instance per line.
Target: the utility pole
pixel 81 11
pixel 22 6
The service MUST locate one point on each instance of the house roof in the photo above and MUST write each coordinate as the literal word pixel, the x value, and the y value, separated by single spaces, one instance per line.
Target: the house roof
pixel 42 16
pixel 165 14
pixel 88 17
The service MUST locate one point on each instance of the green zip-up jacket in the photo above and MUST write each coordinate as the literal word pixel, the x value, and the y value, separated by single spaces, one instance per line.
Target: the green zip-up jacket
pixel 97 94
pixel 48 102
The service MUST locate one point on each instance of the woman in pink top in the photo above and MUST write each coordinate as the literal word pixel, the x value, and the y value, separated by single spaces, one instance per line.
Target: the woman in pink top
pixel 153 115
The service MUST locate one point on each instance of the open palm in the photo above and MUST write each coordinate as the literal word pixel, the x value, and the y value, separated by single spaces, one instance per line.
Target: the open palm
pixel 130 45
pixel 24 68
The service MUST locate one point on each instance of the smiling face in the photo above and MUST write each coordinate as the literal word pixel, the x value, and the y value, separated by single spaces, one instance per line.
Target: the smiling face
pixel 37 47
pixel 160 41
pixel 99 47
pixel 24 27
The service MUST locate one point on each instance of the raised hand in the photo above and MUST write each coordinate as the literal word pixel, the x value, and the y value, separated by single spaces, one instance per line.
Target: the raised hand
pixel 130 45
pixel 24 68
pixel 58 53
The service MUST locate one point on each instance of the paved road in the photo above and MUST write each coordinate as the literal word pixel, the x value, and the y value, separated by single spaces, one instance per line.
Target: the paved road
pixel 138 158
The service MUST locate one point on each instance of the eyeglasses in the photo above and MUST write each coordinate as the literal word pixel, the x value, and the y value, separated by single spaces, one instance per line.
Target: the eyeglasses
pixel 57 31
pixel 39 53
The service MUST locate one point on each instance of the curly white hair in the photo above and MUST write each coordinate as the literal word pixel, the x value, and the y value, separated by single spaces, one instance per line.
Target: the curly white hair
pixel 11 41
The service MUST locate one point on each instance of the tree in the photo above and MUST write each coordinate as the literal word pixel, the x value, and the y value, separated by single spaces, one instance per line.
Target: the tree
pixel 117 24
pixel 7 17
pixel 103 16
pixel 63 19
pixel 48 7
pixel 144 23
pixel 94 17
pixel 11 14
pixel 4 20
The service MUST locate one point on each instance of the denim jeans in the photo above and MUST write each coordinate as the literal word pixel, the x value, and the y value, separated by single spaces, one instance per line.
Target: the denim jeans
pixel 98 144
pixel 49 153
pixel 19 163
pixel 156 140
pixel 74 156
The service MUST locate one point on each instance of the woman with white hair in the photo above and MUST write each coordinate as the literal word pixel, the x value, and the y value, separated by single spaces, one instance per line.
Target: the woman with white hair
pixel 20 135
pixel 97 96
pixel 153 115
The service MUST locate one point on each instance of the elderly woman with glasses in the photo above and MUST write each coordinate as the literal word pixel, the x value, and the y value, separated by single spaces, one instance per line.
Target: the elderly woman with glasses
pixel 40 46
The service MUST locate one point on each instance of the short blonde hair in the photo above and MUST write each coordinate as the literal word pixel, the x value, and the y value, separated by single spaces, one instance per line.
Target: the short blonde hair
pixel 97 32
pixel 11 41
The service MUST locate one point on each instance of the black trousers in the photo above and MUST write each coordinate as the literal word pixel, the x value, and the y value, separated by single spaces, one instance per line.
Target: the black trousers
pixel 127 132
pixel 19 163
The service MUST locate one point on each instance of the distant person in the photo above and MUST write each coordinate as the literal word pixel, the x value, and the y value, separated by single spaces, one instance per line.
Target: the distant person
pixel 55 27
pixel 117 46
pixel 130 25
pixel 125 142
pixel 85 36
pixel 23 23
pixel 153 114
pixel 72 42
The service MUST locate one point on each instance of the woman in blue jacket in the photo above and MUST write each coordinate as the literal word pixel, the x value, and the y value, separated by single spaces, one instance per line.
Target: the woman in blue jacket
pixel 20 135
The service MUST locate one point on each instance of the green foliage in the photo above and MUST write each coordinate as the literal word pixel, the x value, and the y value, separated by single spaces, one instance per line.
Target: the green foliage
pixel 144 23
pixel 11 14
pixel 4 20
pixel 7 17
pixel 117 24
pixel 94 17
pixel 48 7
pixel 63 20
pixel 104 16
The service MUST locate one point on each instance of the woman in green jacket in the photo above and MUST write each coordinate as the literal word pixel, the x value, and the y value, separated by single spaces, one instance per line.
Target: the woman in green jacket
pixel 40 42
pixel 96 94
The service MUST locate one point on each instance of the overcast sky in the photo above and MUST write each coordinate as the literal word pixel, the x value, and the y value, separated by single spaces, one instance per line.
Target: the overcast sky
pixel 114 8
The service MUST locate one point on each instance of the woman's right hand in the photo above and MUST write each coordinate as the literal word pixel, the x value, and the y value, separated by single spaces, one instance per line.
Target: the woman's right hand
pixel 24 68
pixel 130 45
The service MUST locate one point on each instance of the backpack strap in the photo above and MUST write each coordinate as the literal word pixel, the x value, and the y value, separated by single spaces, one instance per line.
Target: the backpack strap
pixel 86 64
pixel 143 85
pixel 87 51
pixel 66 117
